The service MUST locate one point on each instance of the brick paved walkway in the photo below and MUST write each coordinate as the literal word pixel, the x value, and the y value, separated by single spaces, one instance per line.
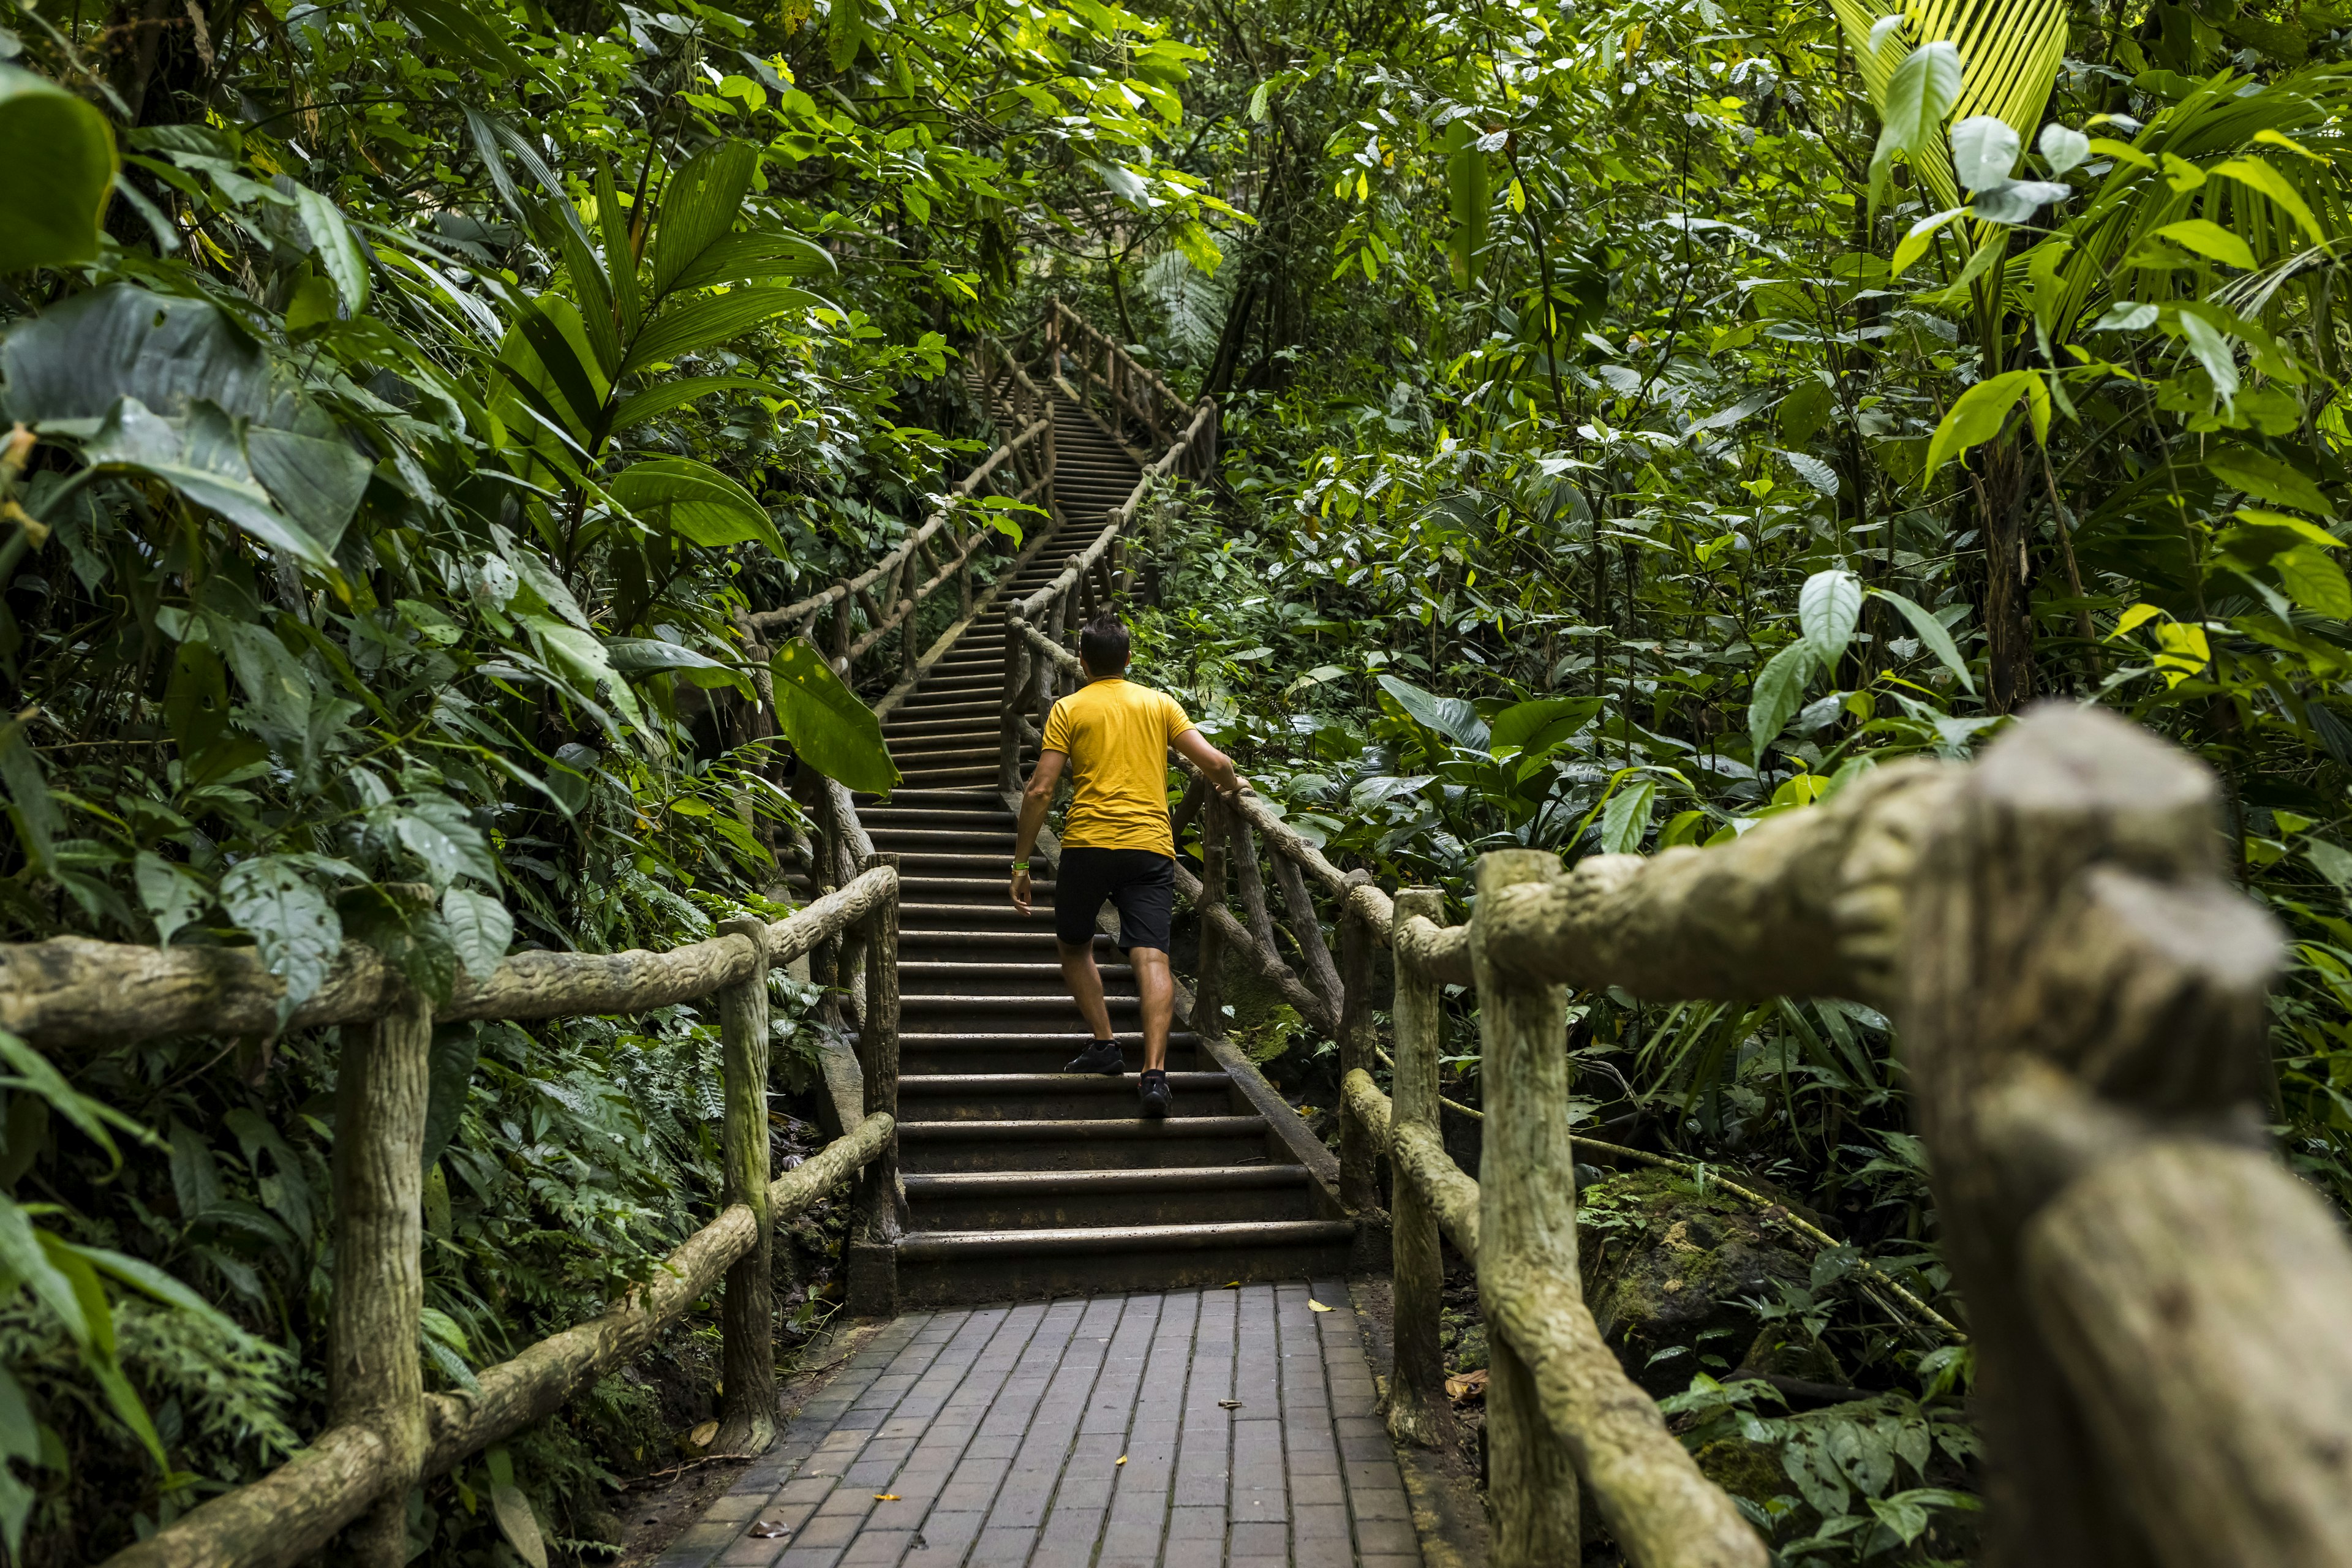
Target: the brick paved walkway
pixel 997 1433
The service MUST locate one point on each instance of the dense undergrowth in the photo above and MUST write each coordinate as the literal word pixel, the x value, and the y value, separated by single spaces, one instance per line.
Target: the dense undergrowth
pixel 1628 435
pixel 391 473
pixel 1630 439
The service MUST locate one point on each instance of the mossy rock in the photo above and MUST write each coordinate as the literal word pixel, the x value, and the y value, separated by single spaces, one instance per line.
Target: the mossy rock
pixel 1666 1269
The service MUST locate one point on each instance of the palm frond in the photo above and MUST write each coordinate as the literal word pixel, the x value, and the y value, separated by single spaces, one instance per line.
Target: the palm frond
pixel 2010 54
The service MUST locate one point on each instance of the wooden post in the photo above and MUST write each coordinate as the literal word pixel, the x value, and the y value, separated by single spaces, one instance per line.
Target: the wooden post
pixel 1051 425
pixel 747 1417
pixel 907 648
pixel 1008 735
pixel 1527 1226
pixel 1418 1409
pixel 1307 928
pixel 1357 1191
pixel 841 638
pixel 1252 882
pixel 1070 618
pixel 874 1242
pixel 2083 1020
pixel 1208 992
pixel 374 1316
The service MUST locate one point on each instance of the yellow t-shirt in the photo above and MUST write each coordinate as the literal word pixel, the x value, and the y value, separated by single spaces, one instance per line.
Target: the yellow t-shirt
pixel 1116 734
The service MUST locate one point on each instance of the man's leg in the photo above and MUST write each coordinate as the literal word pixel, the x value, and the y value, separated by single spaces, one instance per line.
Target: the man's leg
pixel 1158 988
pixel 1084 980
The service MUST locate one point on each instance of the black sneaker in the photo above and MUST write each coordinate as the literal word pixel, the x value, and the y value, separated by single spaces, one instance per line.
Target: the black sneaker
pixel 1100 1055
pixel 1157 1100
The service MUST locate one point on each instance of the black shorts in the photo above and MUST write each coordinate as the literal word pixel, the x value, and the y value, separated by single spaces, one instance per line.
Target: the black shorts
pixel 1141 882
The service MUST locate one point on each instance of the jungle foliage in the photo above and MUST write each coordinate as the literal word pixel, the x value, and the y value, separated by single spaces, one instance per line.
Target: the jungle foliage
pixel 1640 418
pixel 408 401
pixel 1645 417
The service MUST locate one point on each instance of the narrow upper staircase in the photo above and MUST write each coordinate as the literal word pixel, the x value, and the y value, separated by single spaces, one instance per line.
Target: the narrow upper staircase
pixel 1022 1180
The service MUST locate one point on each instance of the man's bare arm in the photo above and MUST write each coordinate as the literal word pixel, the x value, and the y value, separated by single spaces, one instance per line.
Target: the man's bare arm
pixel 1035 801
pixel 1194 748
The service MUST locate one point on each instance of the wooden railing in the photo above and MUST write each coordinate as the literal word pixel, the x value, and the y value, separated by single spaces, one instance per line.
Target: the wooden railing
pixel 1108 378
pixel 891 593
pixel 2154 1303
pixel 70 996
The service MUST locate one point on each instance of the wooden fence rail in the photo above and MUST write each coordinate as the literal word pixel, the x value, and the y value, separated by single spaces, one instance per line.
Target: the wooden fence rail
pixel 2154 1303
pixel 384 1432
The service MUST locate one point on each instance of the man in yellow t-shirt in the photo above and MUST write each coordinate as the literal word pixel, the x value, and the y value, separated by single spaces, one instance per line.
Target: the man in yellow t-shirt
pixel 1114 736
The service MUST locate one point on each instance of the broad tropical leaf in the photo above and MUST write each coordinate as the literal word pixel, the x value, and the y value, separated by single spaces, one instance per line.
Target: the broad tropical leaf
pixel 56 168
pixel 825 724
pixel 2010 53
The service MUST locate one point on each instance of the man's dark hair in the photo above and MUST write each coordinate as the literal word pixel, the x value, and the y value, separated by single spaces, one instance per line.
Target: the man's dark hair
pixel 1103 645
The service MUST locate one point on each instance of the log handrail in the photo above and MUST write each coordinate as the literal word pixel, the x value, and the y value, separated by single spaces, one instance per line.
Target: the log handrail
pixel 384 1432
pixel 2079 990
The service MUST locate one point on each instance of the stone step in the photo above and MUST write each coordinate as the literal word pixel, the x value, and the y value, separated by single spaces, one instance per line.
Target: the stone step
pixel 940 1269
pixel 1051 1095
pixel 1053 1200
pixel 1093 1144
pixel 1039 982
pixel 1031 1051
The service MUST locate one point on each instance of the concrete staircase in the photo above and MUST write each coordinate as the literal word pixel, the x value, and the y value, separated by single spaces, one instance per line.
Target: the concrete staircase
pixel 1024 1181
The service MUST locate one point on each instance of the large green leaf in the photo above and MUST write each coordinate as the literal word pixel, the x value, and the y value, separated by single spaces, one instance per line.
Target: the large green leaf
pixel 1545 720
pixel 693 502
pixel 763 253
pixel 455 1051
pixel 2010 52
pixel 68 368
pixel 339 249
pixel 57 167
pixel 825 724
pixel 1466 199
pixel 1977 415
pixel 1920 93
pixel 691 324
pixel 1780 692
pixel 292 924
pixel 204 458
pixel 74 359
pixel 1451 717
pixel 454 30
pixel 1932 632
pixel 698 211
pixel 676 392
pixel 1827 608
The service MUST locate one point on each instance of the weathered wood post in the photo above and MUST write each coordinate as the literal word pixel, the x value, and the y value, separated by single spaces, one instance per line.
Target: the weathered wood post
pixel 1307 928
pixel 839 652
pixel 1527 1226
pixel 1070 619
pixel 373 1318
pixel 1358 1190
pixel 1418 1410
pixel 1250 879
pixel 1046 672
pixel 1008 736
pixel 965 547
pixel 746 1325
pixel 874 1240
pixel 1208 993
pixel 2156 1303
pixel 1052 423
pixel 909 650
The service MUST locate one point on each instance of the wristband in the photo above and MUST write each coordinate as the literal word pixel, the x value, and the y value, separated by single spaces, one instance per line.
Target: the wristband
pixel 1021 865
